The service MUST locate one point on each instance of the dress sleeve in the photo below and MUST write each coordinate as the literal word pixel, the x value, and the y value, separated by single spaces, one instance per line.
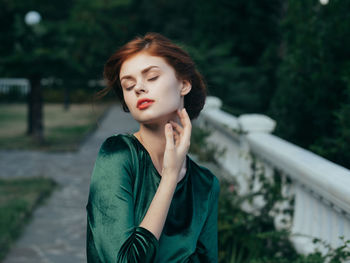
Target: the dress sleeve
pixel 207 244
pixel 111 233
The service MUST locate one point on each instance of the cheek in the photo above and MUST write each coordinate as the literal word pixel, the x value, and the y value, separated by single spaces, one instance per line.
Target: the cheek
pixel 127 100
pixel 170 98
pixel 172 90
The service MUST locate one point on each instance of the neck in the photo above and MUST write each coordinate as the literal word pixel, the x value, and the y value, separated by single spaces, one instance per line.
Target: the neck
pixel 152 137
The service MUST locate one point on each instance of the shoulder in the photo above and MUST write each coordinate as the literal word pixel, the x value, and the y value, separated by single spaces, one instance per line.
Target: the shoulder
pixel 205 179
pixel 113 169
pixel 115 144
pixel 115 153
pixel 113 161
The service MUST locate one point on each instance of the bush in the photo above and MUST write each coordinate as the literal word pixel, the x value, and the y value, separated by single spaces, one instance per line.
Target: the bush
pixel 14 95
pixel 252 238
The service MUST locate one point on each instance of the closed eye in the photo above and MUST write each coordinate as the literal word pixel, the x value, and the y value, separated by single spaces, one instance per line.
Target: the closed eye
pixel 129 88
pixel 154 78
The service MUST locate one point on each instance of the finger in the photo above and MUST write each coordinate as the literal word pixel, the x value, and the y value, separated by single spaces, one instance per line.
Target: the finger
pixel 187 126
pixel 177 127
pixel 169 137
pixel 184 118
pixel 176 138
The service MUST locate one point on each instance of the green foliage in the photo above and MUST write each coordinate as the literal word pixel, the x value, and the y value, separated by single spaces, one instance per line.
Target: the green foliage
pixel 32 50
pixel 205 151
pixel 18 198
pixel 14 95
pixel 311 103
pixel 288 59
pixel 75 38
pixel 334 255
pixel 235 44
pixel 337 147
pixel 252 237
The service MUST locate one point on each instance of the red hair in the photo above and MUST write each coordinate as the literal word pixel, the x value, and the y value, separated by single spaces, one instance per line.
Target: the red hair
pixel 157 45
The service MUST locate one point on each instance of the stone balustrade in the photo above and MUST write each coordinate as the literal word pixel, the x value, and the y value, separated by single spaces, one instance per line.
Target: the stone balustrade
pixel 320 188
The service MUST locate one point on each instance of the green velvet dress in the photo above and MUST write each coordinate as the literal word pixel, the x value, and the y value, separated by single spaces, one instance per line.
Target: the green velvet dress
pixel 123 184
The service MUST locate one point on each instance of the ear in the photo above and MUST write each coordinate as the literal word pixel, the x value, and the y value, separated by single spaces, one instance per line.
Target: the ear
pixel 186 87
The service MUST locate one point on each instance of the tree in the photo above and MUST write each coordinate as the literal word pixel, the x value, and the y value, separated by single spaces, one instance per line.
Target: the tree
pixel 32 52
pixel 310 104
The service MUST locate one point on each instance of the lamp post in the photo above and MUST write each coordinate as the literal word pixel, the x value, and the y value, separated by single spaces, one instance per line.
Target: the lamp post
pixel 35 112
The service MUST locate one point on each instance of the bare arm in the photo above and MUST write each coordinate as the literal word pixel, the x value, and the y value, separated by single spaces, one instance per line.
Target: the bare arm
pixel 157 212
pixel 174 157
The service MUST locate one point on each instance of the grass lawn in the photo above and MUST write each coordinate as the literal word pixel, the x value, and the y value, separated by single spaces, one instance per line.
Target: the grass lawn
pixel 63 130
pixel 18 198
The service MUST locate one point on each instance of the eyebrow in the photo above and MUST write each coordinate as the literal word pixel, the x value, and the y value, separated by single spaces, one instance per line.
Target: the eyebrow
pixel 144 71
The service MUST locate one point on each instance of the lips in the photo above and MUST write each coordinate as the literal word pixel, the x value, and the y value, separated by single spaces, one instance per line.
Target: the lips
pixel 144 103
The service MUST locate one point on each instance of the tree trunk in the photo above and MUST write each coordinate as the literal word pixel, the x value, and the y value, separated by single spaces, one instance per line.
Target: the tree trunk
pixel 35 112
pixel 66 96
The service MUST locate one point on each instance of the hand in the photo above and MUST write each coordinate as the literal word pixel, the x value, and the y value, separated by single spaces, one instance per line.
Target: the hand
pixel 178 140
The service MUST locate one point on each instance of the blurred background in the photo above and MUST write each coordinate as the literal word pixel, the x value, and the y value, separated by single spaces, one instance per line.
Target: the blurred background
pixel 287 59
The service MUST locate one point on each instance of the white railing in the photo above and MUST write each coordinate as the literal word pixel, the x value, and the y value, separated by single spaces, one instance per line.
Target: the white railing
pixel 6 84
pixel 321 189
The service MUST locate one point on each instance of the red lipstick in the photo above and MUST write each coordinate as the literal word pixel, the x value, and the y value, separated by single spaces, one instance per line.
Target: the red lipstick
pixel 144 103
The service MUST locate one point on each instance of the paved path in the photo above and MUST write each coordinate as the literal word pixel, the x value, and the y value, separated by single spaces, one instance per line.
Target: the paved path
pixel 56 232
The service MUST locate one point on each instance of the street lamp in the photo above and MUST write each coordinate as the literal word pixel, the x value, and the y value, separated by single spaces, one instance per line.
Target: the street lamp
pixel 32 18
pixel 35 111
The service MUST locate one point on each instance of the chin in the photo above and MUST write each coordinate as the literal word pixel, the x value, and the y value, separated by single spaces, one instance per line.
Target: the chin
pixel 154 118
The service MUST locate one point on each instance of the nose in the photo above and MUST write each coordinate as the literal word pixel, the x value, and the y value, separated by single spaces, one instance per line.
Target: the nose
pixel 141 87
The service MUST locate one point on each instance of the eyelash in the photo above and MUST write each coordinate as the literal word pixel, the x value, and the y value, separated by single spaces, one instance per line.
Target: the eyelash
pixel 154 78
pixel 151 79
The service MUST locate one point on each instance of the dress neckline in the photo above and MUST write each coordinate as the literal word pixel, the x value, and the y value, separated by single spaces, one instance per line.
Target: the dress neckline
pixel 154 168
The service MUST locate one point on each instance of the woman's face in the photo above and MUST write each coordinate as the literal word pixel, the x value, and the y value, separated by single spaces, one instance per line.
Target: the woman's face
pixel 151 79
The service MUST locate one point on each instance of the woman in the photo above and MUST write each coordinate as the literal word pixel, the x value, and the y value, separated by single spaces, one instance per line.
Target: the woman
pixel 148 201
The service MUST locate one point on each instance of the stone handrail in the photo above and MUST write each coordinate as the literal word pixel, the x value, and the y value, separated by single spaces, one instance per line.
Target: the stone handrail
pixel 321 189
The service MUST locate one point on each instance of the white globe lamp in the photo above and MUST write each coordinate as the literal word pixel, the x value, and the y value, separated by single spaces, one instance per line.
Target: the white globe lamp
pixel 32 18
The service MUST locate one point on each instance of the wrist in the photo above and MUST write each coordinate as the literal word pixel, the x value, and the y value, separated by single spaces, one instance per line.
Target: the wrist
pixel 169 177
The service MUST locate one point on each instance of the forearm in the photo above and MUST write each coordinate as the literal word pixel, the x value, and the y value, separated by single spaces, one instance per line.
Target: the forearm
pixel 157 212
